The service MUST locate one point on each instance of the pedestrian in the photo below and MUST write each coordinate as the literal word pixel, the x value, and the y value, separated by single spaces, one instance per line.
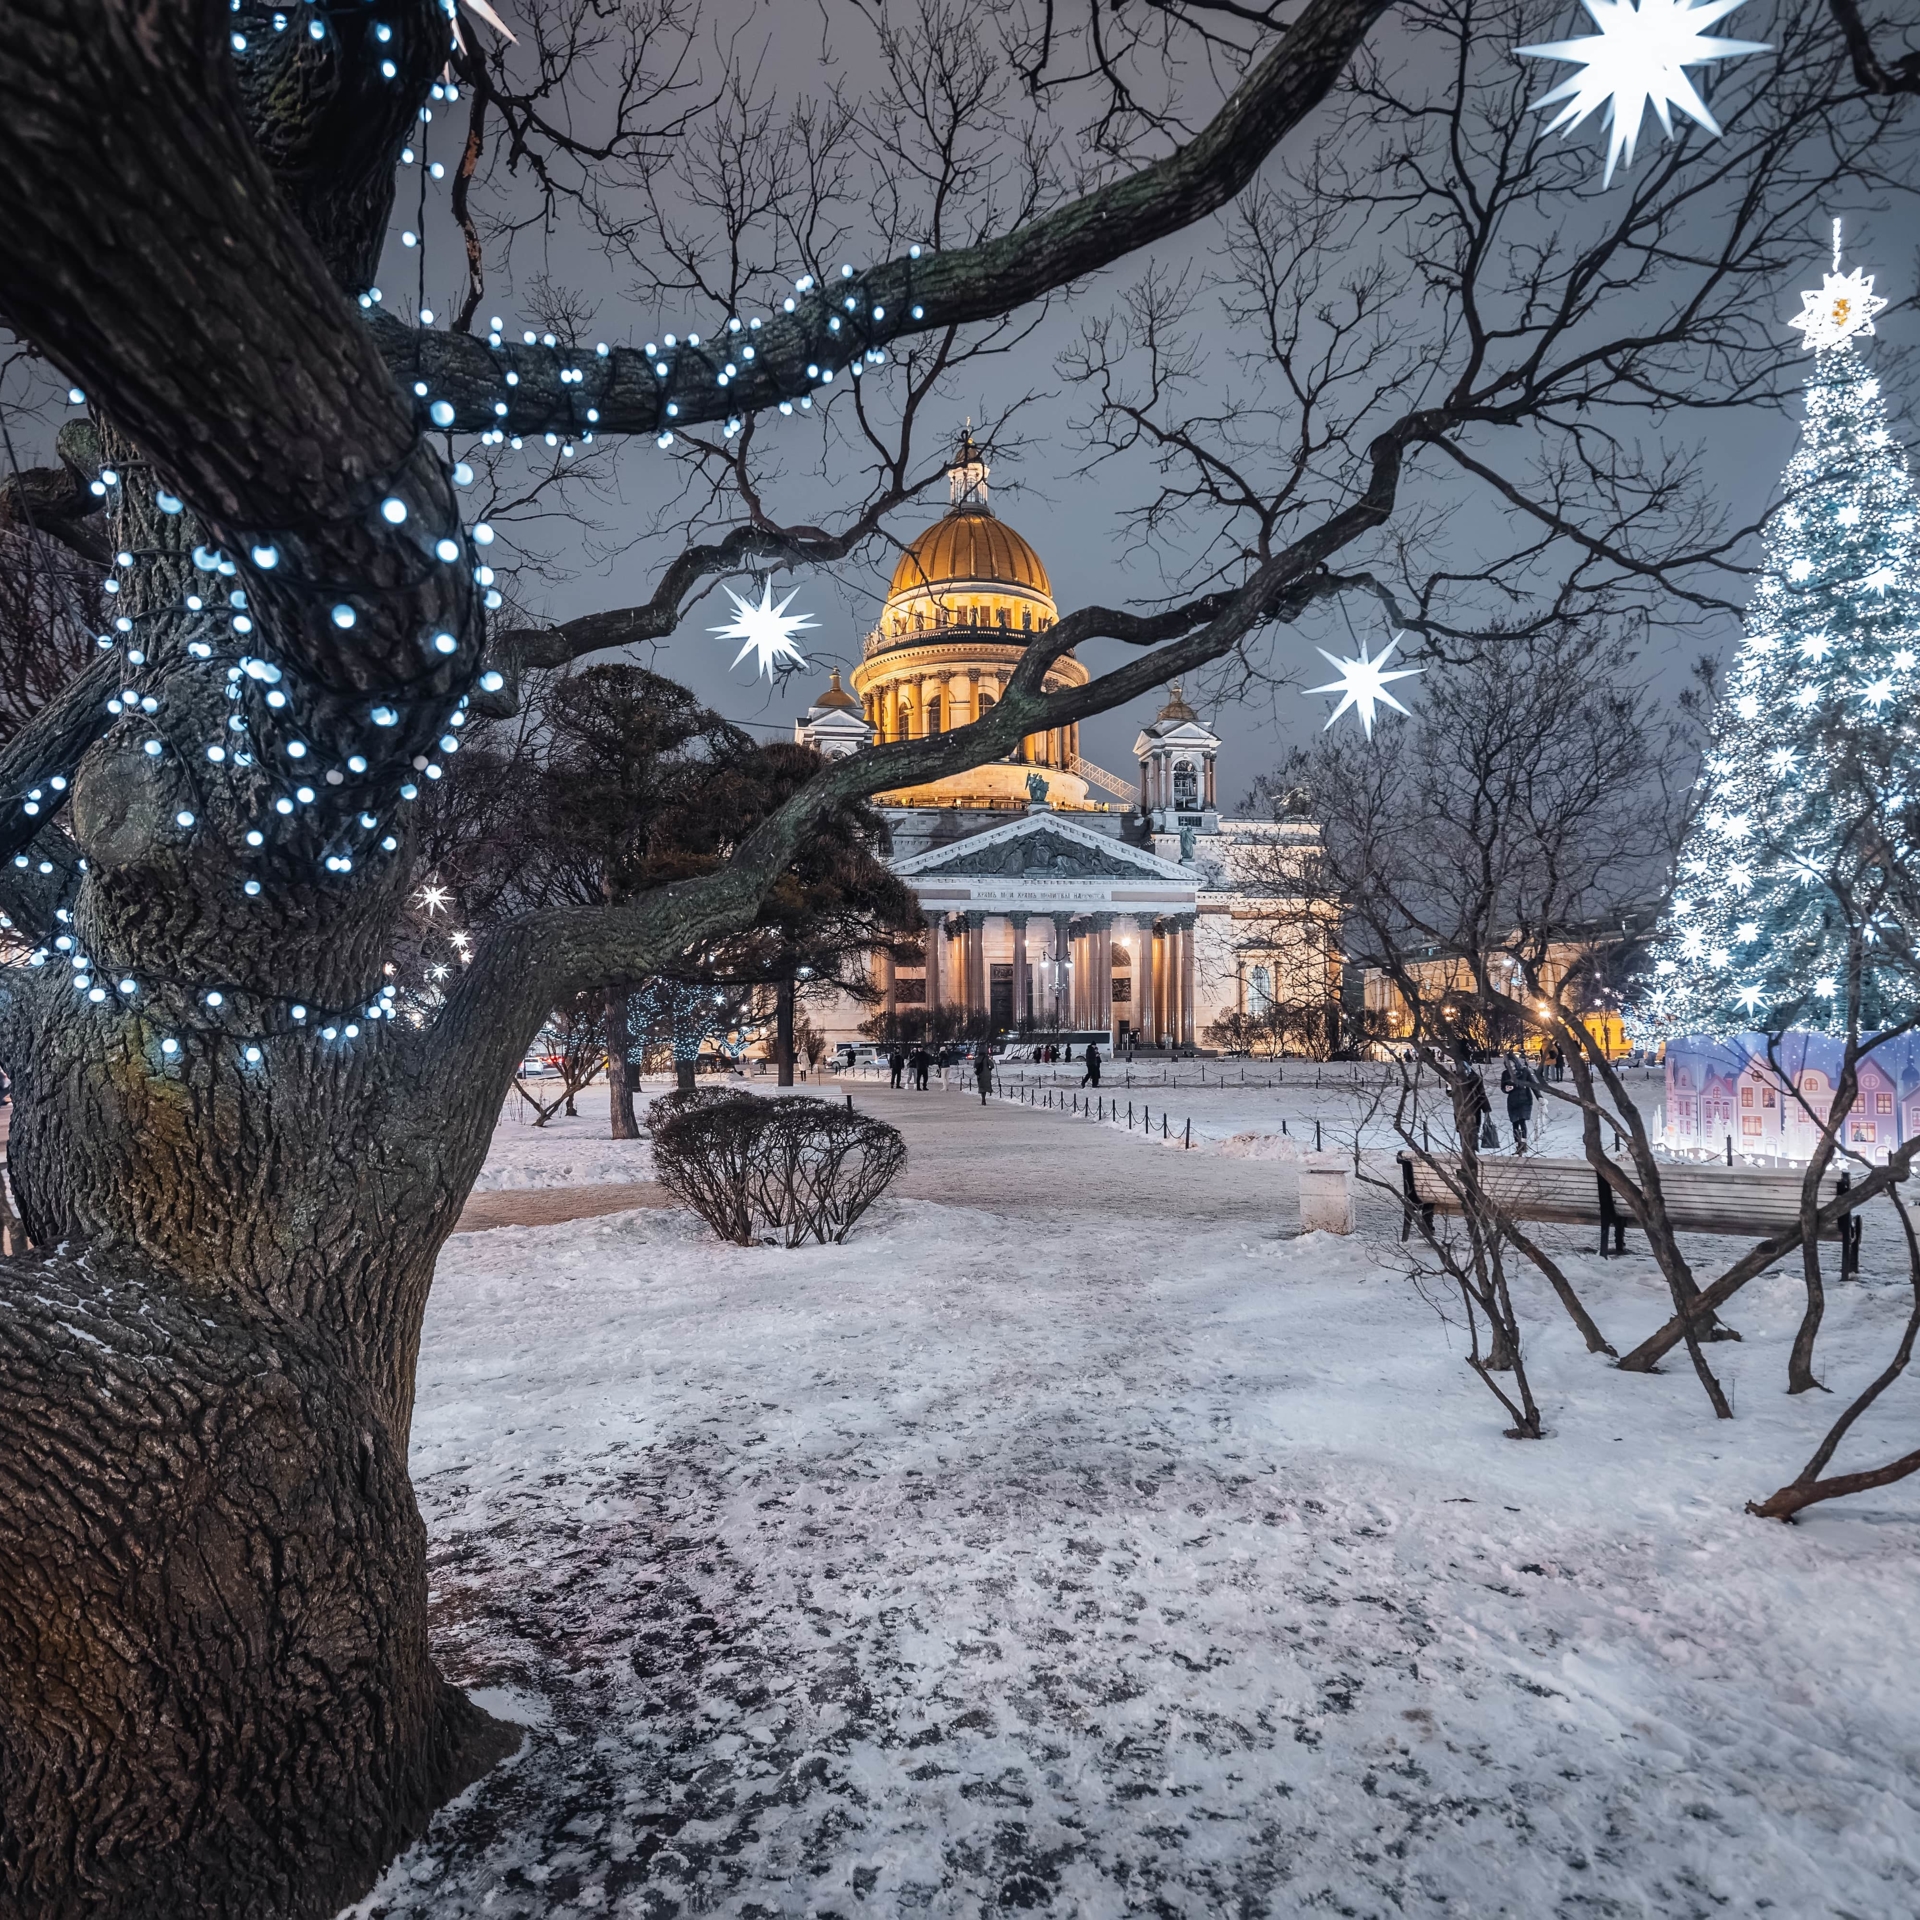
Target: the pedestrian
pixel 896 1065
pixel 1092 1076
pixel 983 1070
pixel 1474 1111
pixel 1516 1082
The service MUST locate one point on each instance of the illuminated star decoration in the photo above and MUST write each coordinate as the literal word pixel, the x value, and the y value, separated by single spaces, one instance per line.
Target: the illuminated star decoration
pixel 1634 62
pixel 1363 684
pixel 1844 306
pixel 433 897
pixel 765 630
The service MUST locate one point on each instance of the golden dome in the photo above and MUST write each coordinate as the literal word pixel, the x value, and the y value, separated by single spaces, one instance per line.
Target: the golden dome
pixel 968 545
pixel 836 695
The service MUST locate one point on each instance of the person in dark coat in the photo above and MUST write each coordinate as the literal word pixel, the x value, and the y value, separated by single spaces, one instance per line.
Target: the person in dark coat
pixel 1473 1109
pixel 1516 1082
pixel 918 1062
pixel 983 1070
pixel 1092 1075
pixel 896 1065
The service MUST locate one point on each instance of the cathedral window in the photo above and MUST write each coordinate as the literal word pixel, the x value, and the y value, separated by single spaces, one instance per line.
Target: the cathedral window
pixel 933 714
pixel 1186 784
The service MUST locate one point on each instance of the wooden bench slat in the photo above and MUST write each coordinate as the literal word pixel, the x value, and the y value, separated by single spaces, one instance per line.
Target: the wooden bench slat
pixel 1736 1200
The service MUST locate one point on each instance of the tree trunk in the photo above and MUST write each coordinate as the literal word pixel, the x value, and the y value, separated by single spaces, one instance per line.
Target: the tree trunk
pixel 683 1074
pixel 220 1619
pixel 216 1695
pixel 620 1071
pixel 783 1031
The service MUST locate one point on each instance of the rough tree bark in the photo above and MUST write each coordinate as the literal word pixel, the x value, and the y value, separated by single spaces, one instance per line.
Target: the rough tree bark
pixel 216 1692
pixel 783 1031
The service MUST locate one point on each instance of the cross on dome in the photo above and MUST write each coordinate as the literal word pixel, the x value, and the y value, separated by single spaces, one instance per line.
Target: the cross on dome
pixel 967 477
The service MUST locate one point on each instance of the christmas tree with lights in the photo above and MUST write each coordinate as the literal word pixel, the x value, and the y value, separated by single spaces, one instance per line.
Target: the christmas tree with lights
pixel 1796 863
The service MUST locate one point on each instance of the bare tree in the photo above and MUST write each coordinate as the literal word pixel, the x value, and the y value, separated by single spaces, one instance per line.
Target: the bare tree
pixel 240 1165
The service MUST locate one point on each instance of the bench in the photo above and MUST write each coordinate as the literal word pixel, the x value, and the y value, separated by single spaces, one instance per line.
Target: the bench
pixel 1747 1202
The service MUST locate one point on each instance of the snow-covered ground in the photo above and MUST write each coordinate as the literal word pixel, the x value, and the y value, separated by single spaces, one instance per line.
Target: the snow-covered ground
pixel 1103 1563
pixel 564 1153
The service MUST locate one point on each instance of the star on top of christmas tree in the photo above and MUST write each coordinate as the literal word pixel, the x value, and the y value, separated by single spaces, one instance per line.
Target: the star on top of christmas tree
pixel 1636 61
pixel 1844 306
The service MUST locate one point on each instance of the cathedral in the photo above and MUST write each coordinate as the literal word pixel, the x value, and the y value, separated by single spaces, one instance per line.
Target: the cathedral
pixel 1061 900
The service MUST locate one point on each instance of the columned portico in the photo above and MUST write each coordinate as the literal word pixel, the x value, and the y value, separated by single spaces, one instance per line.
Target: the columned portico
pixel 1069 887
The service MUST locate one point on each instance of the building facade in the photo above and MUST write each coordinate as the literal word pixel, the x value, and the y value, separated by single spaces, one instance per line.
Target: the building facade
pixel 1140 914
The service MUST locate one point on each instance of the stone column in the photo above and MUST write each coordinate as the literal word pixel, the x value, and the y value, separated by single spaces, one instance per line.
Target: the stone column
pixel 1206 796
pixel 973 693
pixel 1164 974
pixel 1100 986
pixel 1064 989
pixel 1186 982
pixel 976 965
pixel 1146 1016
pixel 1018 922
pixel 933 937
pixel 888 974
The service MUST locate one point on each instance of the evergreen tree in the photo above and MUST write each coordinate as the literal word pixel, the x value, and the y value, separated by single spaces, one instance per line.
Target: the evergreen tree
pixel 1793 894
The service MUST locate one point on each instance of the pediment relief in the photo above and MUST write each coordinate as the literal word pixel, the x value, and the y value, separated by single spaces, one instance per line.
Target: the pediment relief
pixel 1041 856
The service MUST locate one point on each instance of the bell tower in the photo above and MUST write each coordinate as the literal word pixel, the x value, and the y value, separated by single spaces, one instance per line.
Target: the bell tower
pixel 1176 751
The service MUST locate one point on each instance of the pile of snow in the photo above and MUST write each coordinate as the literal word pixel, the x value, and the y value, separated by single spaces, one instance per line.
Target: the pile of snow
pixel 1259 1146
pixel 1138 1567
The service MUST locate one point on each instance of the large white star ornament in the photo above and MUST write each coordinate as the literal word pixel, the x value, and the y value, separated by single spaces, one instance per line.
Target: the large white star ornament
pixel 1844 306
pixel 1636 61
pixel 766 630
pixel 1363 684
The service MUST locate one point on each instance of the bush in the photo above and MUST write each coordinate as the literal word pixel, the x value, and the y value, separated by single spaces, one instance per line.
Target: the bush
pixel 803 1168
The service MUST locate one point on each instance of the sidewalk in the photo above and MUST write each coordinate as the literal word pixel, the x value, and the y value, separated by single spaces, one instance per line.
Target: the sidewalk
pixel 1025 1161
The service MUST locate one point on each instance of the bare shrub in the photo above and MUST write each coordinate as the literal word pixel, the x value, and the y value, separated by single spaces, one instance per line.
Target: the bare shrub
pixel 802 1168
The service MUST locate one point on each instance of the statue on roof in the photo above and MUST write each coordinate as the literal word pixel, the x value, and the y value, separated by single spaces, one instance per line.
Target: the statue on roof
pixel 1036 790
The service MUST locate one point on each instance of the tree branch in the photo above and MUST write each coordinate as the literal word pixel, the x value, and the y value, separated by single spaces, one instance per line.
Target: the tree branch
pixel 834 326
pixel 1874 76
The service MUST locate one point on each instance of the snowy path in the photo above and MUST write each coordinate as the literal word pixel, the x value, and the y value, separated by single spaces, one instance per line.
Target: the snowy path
pixel 1058 1552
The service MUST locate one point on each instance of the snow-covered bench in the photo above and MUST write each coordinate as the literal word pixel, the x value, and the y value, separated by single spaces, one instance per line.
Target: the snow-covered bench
pixel 1747 1202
